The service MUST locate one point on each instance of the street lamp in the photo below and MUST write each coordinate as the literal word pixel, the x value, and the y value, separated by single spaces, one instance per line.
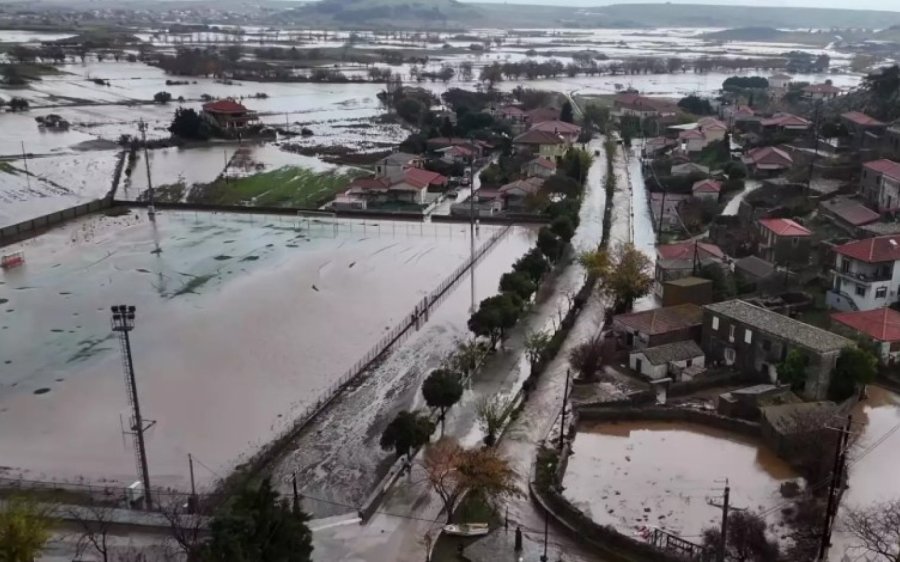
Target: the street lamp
pixel 123 322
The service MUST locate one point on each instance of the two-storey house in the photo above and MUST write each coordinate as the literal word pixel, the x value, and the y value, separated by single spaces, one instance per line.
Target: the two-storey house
pixel 880 184
pixel 783 242
pixel 866 274
pixel 757 340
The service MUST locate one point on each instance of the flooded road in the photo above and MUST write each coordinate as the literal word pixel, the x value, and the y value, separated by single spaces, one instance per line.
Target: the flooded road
pixel 242 322
pixel 662 474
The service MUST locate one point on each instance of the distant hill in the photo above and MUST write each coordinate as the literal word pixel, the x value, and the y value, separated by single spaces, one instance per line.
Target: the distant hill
pixel 418 14
pixel 772 35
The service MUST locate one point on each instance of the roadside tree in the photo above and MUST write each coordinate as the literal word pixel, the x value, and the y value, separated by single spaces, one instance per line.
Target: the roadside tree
pixel 746 540
pixel 628 278
pixel 533 264
pixel 407 431
pixel 549 245
pixel 442 389
pixel 587 357
pixel 537 344
pixel 24 530
pixel 491 412
pixel 517 283
pixel 496 315
pixel 876 531
pixel 260 526
pixel 453 471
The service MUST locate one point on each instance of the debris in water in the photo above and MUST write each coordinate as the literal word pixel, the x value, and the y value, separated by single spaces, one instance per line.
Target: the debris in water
pixel 44 390
pixel 351 264
pixel 316 289
pixel 222 257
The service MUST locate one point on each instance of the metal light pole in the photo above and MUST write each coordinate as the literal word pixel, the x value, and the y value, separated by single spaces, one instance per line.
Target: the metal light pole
pixel 123 322
pixel 151 209
pixel 562 427
pixel 472 228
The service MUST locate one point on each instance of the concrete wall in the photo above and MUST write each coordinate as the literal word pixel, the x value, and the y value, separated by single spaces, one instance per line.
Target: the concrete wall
pixel 33 227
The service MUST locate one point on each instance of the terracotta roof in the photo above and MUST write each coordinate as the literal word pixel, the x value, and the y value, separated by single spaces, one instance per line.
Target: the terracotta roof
pixel 872 250
pixel 370 184
pixel 638 102
pixel 556 126
pixel 529 186
pixel 224 106
pixel 692 134
pixel 822 89
pixel 511 111
pixel 711 123
pixel 707 186
pixel 785 227
pixel 862 119
pixel 544 163
pixel 882 324
pixel 886 167
pixel 542 114
pixel 851 212
pixel 770 156
pixel 685 250
pixel 536 136
pixel 662 320
pixel 420 178
pixel 785 120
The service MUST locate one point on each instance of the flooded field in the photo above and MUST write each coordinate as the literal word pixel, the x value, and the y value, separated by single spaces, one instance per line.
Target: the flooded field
pixel 242 322
pixel 666 475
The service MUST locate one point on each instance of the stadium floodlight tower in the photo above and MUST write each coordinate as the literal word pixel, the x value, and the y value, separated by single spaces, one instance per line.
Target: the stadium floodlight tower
pixel 123 322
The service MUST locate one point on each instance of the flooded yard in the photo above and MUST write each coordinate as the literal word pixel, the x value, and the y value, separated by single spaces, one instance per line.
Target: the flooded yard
pixel 667 475
pixel 242 321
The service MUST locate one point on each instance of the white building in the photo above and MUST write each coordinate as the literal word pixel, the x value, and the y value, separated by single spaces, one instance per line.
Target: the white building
pixel 866 274
pixel 667 360
pixel 780 81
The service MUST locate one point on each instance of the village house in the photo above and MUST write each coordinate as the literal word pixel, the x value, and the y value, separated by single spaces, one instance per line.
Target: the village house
pixel 567 131
pixel 866 274
pixel 767 161
pixel 780 429
pixel 657 146
pixel 667 360
pixel 759 275
pixel 818 92
pixel 539 167
pixel 848 214
pixel 785 123
pixel 692 140
pixel 458 154
pixel 541 114
pixel 713 129
pixel 687 290
pixel 228 115
pixel 757 340
pixel 890 142
pixel 651 328
pixel 438 144
pixel 664 209
pixel 736 115
pixel 780 81
pixel 864 131
pixel 399 178
pixel 518 194
pixel 514 116
pixel 784 242
pixel 636 105
pixel 542 143
pixel 880 327
pixel 707 190
pixel 880 185
pixel 684 259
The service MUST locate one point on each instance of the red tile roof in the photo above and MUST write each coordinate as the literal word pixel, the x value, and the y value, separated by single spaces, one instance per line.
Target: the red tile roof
pixel 862 119
pixel 544 163
pixel 370 183
pixel 785 227
pixel 692 134
pixel 770 157
pixel 872 250
pixel 542 114
pixel 886 167
pixel 707 186
pixel 662 320
pixel 685 250
pixel 556 126
pixel 785 120
pixel 711 123
pixel 420 178
pixel 536 136
pixel 224 106
pixel 882 324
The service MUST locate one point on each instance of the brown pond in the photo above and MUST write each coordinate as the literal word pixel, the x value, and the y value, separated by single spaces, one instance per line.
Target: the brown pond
pixel 666 475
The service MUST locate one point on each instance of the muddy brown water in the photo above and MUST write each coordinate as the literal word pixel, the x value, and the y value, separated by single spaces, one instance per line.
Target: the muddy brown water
pixel 666 475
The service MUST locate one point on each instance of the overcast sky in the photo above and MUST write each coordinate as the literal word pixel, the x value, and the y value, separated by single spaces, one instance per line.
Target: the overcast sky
pixel 892 5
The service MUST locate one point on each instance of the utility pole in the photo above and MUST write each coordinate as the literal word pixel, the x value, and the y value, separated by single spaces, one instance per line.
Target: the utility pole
pixel 193 484
pixel 123 322
pixel 834 489
pixel 562 426
pixel 25 162
pixel 151 211
pixel 812 163
pixel 296 494
pixel 724 531
pixel 472 228
pixel 546 530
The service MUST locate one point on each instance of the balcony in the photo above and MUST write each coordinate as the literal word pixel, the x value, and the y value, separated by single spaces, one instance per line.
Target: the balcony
pixel 866 278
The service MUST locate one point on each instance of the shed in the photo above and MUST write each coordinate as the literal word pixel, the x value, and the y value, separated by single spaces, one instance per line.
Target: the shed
pixel 668 359
pixel 687 290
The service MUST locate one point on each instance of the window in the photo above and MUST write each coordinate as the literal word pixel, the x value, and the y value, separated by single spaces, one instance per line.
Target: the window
pixel 731 333
pixel 766 345
pixel 795 241
pixel 880 292
pixel 748 336
pixel 715 323
pixel 845 266
pixel 860 291
pixel 689 362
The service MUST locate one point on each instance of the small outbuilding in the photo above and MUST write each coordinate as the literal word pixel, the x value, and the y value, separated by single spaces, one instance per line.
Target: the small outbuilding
pixel 667 360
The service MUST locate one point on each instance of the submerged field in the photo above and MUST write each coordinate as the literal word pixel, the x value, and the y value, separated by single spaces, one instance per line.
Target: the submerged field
pixel 242 321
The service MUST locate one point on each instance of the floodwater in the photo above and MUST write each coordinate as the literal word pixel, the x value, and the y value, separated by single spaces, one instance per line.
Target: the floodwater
pixel 243 321
pixel 661 474
pixel 873 463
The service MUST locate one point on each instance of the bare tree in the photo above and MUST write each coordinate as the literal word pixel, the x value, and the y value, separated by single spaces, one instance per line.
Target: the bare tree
pixel 95 523
pixel 587 357
pixel 189 531
pixel 876 530
pixel 491 412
